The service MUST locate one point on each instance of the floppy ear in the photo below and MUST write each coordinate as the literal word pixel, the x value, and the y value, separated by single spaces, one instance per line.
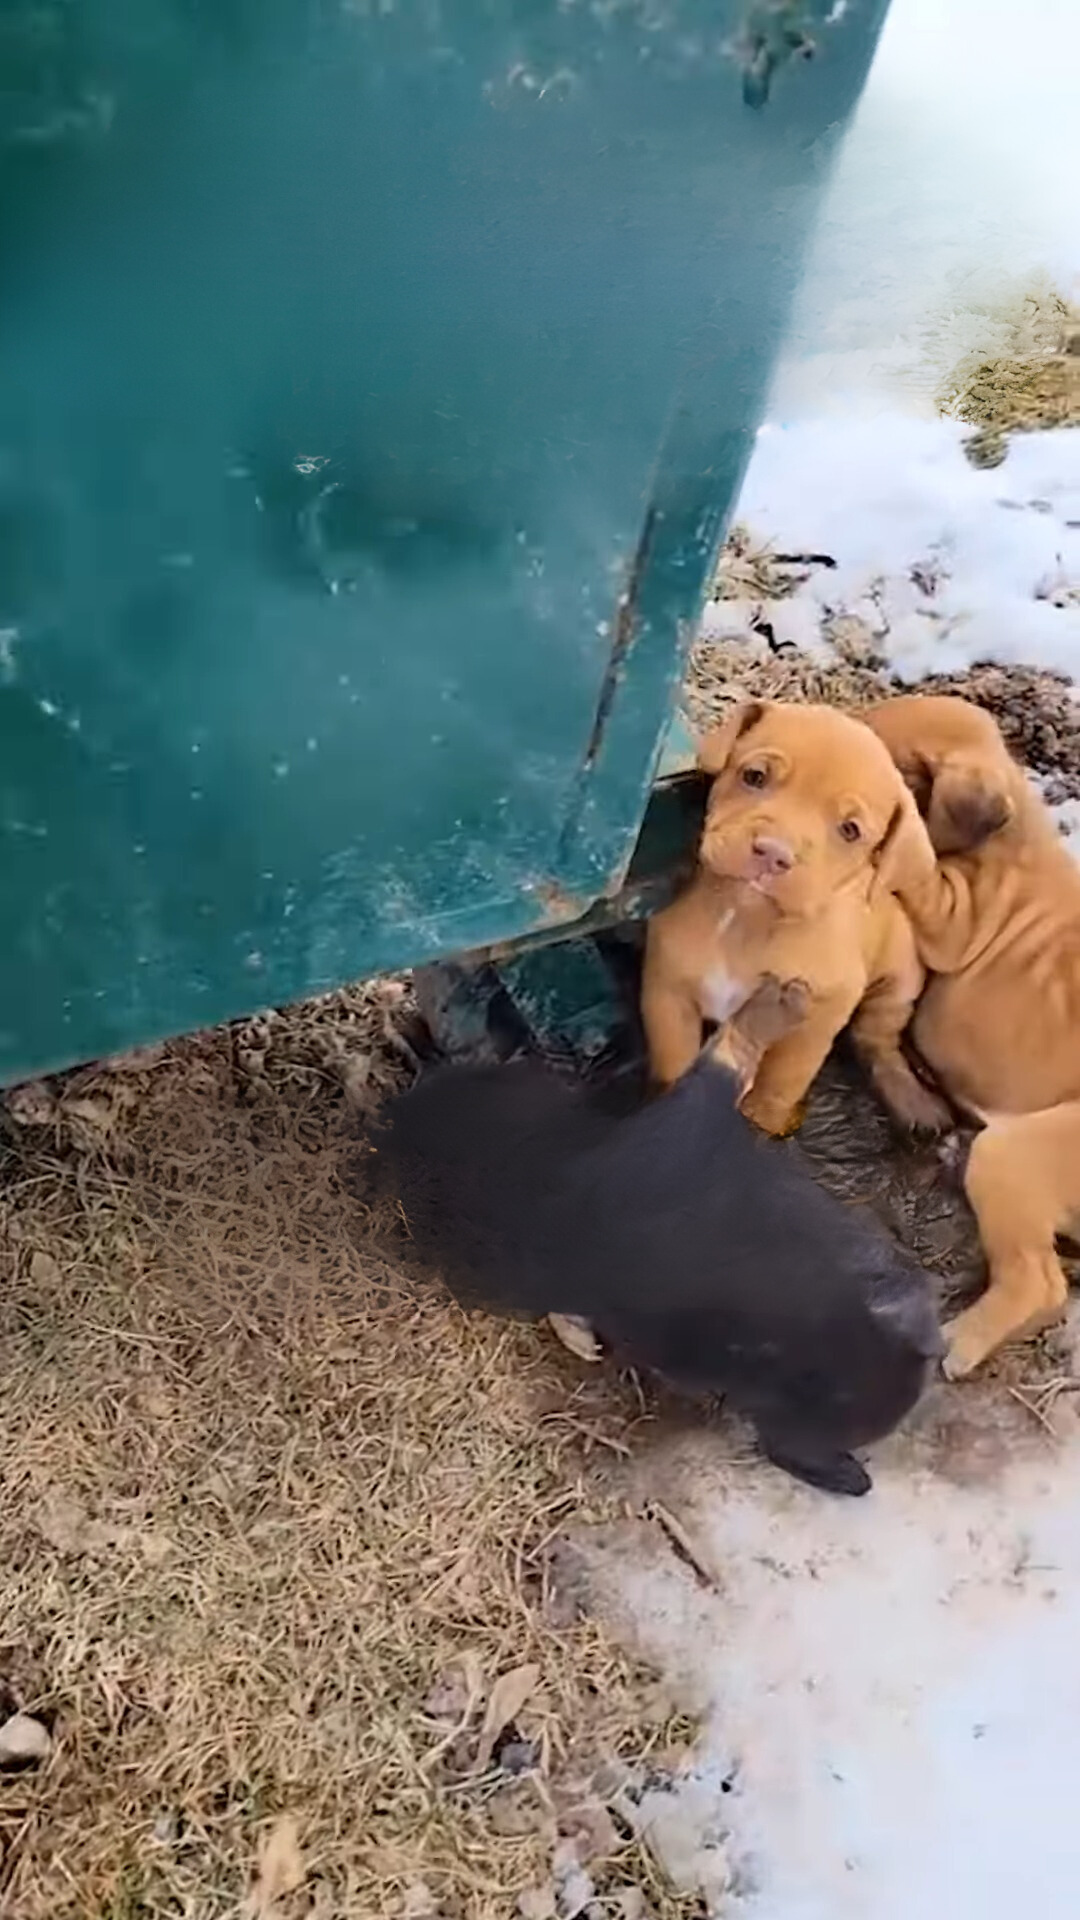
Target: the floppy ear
pixel 969 801
pixel 714 749
pixel 904 851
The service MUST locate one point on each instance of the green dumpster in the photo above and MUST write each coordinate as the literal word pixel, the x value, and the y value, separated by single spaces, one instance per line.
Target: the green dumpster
pixel 376 377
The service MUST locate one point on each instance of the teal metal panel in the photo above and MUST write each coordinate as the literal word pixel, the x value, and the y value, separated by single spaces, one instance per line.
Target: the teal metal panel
pixel 375 379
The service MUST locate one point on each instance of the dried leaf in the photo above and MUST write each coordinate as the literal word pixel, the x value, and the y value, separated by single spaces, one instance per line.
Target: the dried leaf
pixel 507 1697
pixel 44 1271
pixel 281 1868
pixel 23 1741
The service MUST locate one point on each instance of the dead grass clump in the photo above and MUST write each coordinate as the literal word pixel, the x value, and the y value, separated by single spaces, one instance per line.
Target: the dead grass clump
pixel 1036 708
pixel 275 1520
pixel 746 570
pixel 723 672
pixel 1019 392
pixel 1042 390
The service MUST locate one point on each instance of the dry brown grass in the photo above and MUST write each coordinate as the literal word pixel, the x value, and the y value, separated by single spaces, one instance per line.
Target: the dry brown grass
pixel 1019 392
pixel 274 1516
pixel 1035 708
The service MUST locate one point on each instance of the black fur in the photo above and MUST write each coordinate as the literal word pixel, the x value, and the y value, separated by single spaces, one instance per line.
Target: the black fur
pixel 693 1246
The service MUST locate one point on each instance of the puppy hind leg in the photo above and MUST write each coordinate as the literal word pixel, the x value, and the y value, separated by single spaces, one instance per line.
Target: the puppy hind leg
pixel 1023 1184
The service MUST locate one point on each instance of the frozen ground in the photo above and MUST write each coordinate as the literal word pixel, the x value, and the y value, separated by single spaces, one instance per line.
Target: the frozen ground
pixel 892 1687
pixel 952 218
pixel 945 562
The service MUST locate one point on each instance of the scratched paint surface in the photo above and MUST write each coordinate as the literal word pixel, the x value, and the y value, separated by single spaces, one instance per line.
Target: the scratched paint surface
pixel 374 381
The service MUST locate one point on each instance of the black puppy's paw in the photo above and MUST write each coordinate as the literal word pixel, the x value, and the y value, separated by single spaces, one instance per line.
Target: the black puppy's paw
pixel 839 1473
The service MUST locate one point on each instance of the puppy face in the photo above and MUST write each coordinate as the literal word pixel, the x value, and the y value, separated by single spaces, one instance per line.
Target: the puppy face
pixel 955 763
pixel 805 804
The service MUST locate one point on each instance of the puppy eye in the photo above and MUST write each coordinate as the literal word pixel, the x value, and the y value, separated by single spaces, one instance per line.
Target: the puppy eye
pixel 850 830
pixel 753 776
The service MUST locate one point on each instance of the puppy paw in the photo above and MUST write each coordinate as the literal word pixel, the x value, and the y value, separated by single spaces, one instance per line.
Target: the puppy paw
pixel 576 1336
pixel 773 1010
pixel 981 1330
pixel 920 1111
pixel 770 1112
pixel 778 1122
pixel 967 1345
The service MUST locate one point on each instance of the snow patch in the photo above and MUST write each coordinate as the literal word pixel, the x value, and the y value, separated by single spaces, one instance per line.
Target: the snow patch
pixel 946 563
pixel 892 1691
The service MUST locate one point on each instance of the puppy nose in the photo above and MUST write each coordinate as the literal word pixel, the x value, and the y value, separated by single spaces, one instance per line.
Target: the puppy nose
pixel 774 856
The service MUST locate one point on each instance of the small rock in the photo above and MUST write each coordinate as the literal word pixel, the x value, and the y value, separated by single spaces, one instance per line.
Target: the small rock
pixel 44 1271
pixel 418 1902
pixel 515 1755
pixel 24 1742
pixel 630 1904
pixel 538 1903
pixel 574 1888
pixel 449 1696
pixel 167 1827
pixel 32 1104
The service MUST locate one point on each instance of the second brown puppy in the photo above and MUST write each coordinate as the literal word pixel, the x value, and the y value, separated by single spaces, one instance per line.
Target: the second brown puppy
pixel 809 827
pixel 997 918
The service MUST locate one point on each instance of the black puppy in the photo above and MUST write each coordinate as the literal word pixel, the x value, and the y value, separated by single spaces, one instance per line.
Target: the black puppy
pixel 695 1247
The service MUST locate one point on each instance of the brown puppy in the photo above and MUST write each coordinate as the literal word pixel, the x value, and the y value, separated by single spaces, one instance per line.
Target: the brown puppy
pixel 808 826
pixel 998 922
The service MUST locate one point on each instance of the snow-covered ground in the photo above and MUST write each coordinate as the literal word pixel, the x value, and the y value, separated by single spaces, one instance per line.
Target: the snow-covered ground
pixel 952 219
pixel 947 563
pixel 892 1687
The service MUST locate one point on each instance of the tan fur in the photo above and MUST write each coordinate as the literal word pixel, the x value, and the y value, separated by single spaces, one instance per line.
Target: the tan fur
pixel 828 920
pixel 997 919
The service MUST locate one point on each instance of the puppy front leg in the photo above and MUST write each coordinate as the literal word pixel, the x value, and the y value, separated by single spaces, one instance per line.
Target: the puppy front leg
pixel 673 1028
pixel 783 1080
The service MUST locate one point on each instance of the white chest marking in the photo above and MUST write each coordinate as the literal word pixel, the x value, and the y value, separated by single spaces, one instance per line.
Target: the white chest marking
pixel 722 995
